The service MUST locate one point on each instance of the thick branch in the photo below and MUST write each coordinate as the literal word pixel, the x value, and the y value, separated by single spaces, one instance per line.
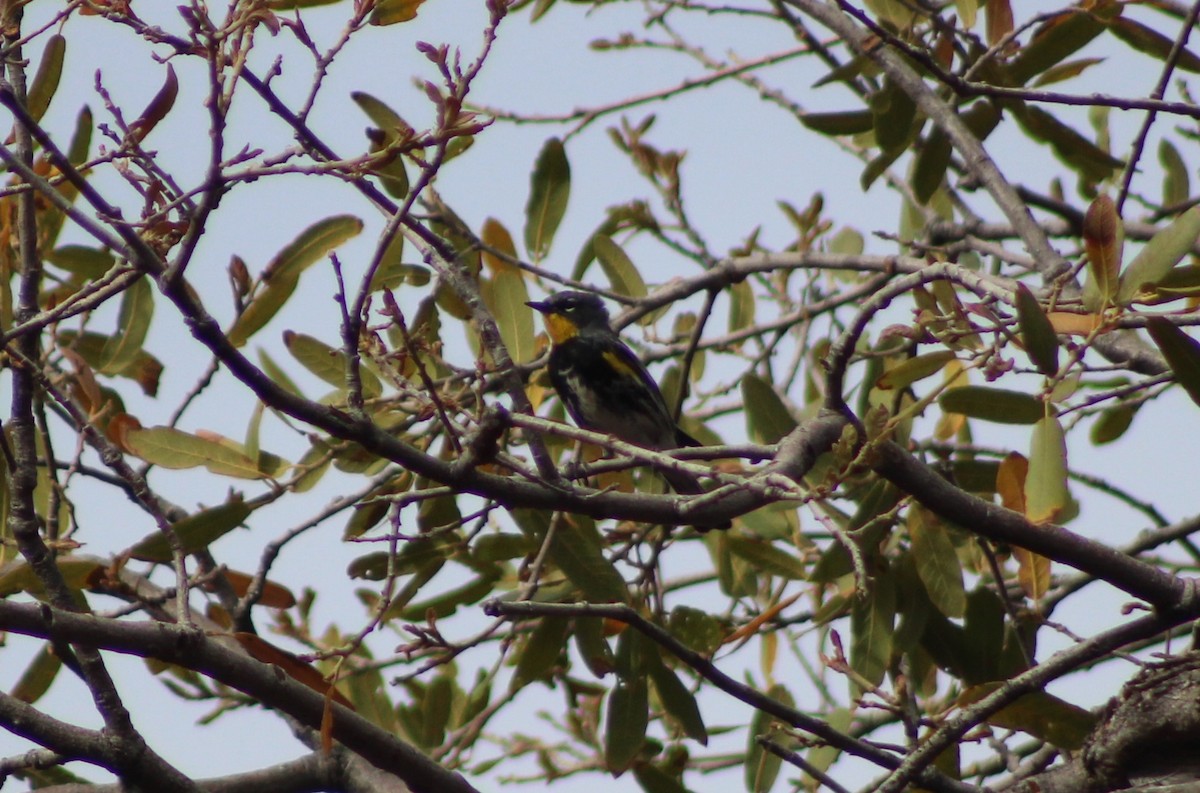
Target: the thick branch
pixel 986 519
pixel 268 685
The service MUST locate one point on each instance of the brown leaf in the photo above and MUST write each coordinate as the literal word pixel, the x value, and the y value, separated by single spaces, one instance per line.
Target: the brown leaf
pixel 1102 239
pixel 1074 324
pixel 262 650
pixel 119 427
pixel 999 17
pixel 158 108
pixel 1010 481
pixel 274 595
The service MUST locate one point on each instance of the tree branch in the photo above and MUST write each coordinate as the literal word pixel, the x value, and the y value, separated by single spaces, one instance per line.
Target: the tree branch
pixel 266 684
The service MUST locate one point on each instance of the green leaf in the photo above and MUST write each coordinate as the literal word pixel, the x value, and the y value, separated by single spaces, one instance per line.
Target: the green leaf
pixel 1058 39
pixel 540 652
pixel 390 12
pixel 913 606
pixel 390 123
pixel 1176 182
pixel 847 241
pixel 822 757
pixel 549 189
pixel 1042 715
pixel 1073 149
pixel 1182 281
pixel 438 513
pixel 893 113
pixel 767 417
pixel 283 273
pixel 276 373
pixel 312 245
pixel 696 628
pixel 877 166
pixel 1112 423
pixel 37 677
pixel 777 521
pixel 87 263
pixel 1037 334
pixel 363 518
pixel 1065 71
pixel 416 555
pixel 445 604
pixel 896 13
pixel 45 82
pixel 679 703
pixel 540 7
pixel 392 128
pixel 983 630
pixel 171 448
pixel 741 306
pixel 736 576
pixel 993 404
pixel 312 466
pixel 593 648
pixel 1046 496
pixel 365 689
pixel 20 577
pixel 1182 353
pixel 144 369
pixel 852 122
pixel 937 562
pixel 328 364
pixel 762 767
pixel 514 318
pixel 137 309
pixel 501 547
pixel 81 138
pixel 872 622
pixel 1164 250
pixel 976 476
pixel 1150 41
pixel 946 643
pixel 910 370
pixel 391 172
pixel 625 722
pixel 577 550
pixel 635 656
pixel 291 5
pixel 967 9
pixel 766 557
pixel 653 779
pixel 929 167
pixel 195 532
pixel 618 267
pixel 435 710
pixel 393 273
pixel 848 72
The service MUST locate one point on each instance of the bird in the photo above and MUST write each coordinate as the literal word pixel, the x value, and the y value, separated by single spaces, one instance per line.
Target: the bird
pixel 604 385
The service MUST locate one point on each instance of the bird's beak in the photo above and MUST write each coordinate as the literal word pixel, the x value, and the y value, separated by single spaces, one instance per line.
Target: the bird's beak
pixel 539 306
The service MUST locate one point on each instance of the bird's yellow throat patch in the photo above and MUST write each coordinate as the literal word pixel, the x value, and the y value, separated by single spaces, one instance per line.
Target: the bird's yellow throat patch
pixel 559 328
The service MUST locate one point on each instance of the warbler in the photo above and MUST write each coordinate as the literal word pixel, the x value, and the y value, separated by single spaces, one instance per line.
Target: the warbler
pixel 604 385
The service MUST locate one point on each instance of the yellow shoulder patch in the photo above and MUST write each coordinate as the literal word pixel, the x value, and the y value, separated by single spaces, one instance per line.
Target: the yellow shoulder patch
pixel 619 365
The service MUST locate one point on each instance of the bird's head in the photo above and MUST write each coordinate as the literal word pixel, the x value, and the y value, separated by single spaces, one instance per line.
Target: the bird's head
pixel 566 313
